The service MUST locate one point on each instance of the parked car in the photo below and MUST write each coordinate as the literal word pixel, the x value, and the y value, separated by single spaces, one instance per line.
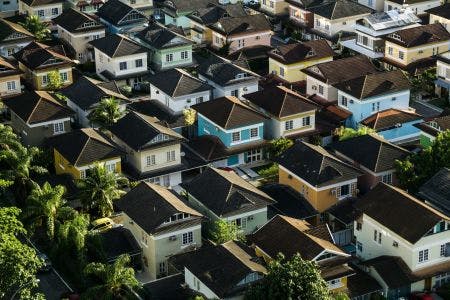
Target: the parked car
pixel 102 224
pixel 47 266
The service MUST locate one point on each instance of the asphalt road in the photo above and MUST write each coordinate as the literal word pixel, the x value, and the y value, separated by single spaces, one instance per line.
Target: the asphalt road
pixel 51 285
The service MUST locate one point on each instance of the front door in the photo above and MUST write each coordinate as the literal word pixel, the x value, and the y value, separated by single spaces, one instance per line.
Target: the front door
pixel 428 284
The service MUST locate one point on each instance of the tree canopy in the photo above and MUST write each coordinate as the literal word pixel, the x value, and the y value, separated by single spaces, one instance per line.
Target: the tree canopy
pixel 278 146
pixel 39 29
pixel 106 113
pixel 223 231
pixel 345 133
pixel 55 81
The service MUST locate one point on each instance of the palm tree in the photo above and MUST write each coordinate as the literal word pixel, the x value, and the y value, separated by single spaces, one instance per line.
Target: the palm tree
pixel 36 27
pixel 106 113
pixel 100 188
pixel 115 281
pixel 72 235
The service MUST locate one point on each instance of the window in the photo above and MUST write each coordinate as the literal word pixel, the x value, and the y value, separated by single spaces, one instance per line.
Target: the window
pixel 11 85
pixel 272 5
pixel 63 76
pixel 170 155
pixel 45 79
pixel 321 89
pixel 236 136
pixel 401 55
pixel 281 71
pixel 169 57
pixel 123 65
pixel 254 133
pixel 358 226
pixel 288 125
pixel 241 43
pixel 306 121
pixel 55 11
pixel 442 251
pixel 318 23
pixel 370 3
pixel 162 267
pixel 387 178
pixel 166 180
pixel 235 93
pixel 58 127
pixel 41 13
pixel 423 255
pixel 345 190
pixel 188 238
pixel 184 55
pixel 82 174
pixel 111 168
pixel 241 223
pixel 390 50
pixel 198 100
pixel 359 246
pixel 151 160
pixel 344 101
pixel 376 106
pixel 377 236
pixel 138 63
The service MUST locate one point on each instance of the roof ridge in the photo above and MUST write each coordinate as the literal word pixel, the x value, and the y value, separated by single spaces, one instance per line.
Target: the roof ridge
pixel 34 108
pixel 178 83
pixel 118 46
pixel 82 149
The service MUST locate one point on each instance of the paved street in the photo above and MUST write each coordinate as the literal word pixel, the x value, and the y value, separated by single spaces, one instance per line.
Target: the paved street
pixel 51 285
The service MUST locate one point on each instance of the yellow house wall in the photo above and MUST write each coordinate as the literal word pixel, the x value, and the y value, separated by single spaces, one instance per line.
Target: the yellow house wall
pixel 292 72
pixel 37 77
pixel 414 53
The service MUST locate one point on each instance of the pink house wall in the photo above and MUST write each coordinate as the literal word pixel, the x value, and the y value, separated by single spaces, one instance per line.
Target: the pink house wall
pixel 255 39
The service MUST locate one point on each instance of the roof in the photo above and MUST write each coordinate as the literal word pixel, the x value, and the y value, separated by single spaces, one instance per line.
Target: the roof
pixel 442 11
pixel 436 191
pixel 315 165
pixel 375 84
pixel 340 9
pixel 211 14
pixel 361 284
pixel 177 82
pixel 40 2
pixel 117 241
pixel 391 19
pixel 85 146
pixel 150 205
pixel 221 267
pixel 389 118
pixel 304 239
pixel 161 37
pixel 7 28
pixel 408 2
pixel 38 107
pixel 307 3
pixel 117 45
pixel 391 206
pixel 7 68
pixel 340 70
pixel 184 6
pixel 36 55
pixel 87 92
pixel 344 210
pixel 148 129
pixel 242 25
pixel 232 194
pixel 171 287
pixel 76 21
pixel 393 270
pixel 294 53
pixel 420 35
pixel 155 108
pixel 371 151
pixel 113 11
pixel 229 112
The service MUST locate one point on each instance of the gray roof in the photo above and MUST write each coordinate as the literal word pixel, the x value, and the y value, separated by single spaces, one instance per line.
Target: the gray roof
pixel 340 9
pixel 212 14
pixel 113 11
pixel 160 37
pixel 436 191
pixel 177 82
pixel 116 45
pixel 76 21
pixel 244 24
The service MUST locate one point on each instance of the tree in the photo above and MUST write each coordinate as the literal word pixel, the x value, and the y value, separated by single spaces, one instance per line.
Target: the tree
pixel 106 113
pixel 71 236
pixel 54 81
pixel 189 116
pixel 113 280
pixel 345 133
pixel 222 232
pixel 36 27
pixel 99 189
pixel 278 146
pixel 290 279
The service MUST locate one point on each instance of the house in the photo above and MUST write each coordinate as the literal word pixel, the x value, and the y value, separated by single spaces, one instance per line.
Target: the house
pixel 288 113
pixel 37 115
pixel 76 29
pixel 222 271
pixel 300 14
pixel 374 156
pixel 240 32
pixel 77 151
pixel 37 60
pixel 89 7
pixel 440 14
pixel 419 7
pixel 371 30
pixel 154 153
pixel 120 59
pixel 227 78
pixel 238 128
pixel 14 37
pixel 145 6
pixel 312 243
pixel 442 83
pixel 167 49
pixel 8 8
pixel 340 218
pixel 178 90
pixel 171 287
pixel 162 223
pixel 46 10
pixel 9 78
pixel 274 7
pixel 176 12
pixel 119 17
pixel 395 125
pixel 412 48
pixel 436 191
pixel 403 259
pixel 320 78
pixel 287 61
pixel 430 129
pixel 86 93
pixel 319 176
pixel 370 93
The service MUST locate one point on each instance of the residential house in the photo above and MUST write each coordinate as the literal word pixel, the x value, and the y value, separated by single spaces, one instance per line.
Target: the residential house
pixel 37 115
pixel 320 78
pixel 89 6
pixel 8 8
pixel 120 59
pixel 312 243
pixel 237 129
pixel 227 78
pixel 145 6
pixel 287 61
pixel 76 152
pixel 240 32
pixel 419 7
pixel 436 191
pixel 86 93
pixel 76 29
pixel 167 49
pixel 319 176
pixel 413 48
pixel 46 10
pixel 178 90
pixel 395 125
pixel 37 60
pixel 162 223
pixel 154 155
pixel 176 12
pixel 442 83
pixel 430 129
pixel 340 218
pixel 9 78
pixel 118 241
pixel 440 14
pixel 274 7
pixel 300 14
pixel 367 94
pixel 222 271
pixel 13 38
pixel 288 113
pixel 224 195
pixel 403 259
pixel 374 156
pixel 121 18
pixel 371 30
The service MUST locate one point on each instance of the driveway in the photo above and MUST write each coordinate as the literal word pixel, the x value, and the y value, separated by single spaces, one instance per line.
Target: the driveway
pixel 51 285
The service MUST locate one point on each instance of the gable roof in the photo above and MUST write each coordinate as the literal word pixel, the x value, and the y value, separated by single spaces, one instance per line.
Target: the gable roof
pixel 371 151
pixel 393 270
pixel 7 68
pixel 117 45
pixel 391 206
pixel 161 37
pixel 389 118
pixel 229 112
pixel 150 205
pixel 177 82
pixel 212 14
pixel 113 11
pixel 340 9
pixel 188 6
pixel 38 107
pixel 442 11
pixel 231 194
pixel 76 21
pixel 156 109
pixel 35 55
pixel 294 53
pixel 242 25
pixel 420 35
pixel 7 28
pixel 85 146
pixel 437 191
pixel 281 102
pixel 34 3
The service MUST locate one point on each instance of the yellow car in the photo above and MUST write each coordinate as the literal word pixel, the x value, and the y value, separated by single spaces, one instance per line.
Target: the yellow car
pixel 102 224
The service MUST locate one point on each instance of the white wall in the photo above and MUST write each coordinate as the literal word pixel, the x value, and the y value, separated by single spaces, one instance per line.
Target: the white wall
pixel 177 104
pixel 243 88
pixel 103 62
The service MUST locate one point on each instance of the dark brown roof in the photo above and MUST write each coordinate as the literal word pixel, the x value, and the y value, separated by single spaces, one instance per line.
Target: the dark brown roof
pixel 420 35
pixel 229 112
pixel 40 2
pixel 389 118
pixel 391 206
pixel 8 28
pixel 211 14
pixel 177 82
pixel 294 53
pixel 38 56
pixel 38 107
pixel 340 9
pixel 442 11
pixel 76 21
pixel 393 270
pixel 242 25
pixel 7 68
pixel 116 45
pixel 437 190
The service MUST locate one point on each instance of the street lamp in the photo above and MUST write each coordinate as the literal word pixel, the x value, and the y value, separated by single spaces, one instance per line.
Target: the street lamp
pixel 23 286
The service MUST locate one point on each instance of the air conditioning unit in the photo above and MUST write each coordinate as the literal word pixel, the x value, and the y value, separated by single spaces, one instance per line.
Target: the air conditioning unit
pixel 351 101
pixel 333 192
pixel 245 89
pixel 250 218
pixel 395 244
pixel 173 238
